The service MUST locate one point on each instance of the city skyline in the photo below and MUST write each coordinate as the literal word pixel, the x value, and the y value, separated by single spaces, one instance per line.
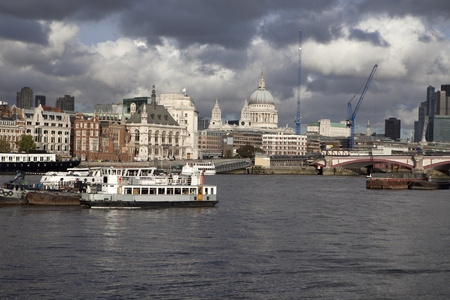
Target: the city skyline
pixel 103 53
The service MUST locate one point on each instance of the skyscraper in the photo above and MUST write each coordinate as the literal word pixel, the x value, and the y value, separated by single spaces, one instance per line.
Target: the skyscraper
pixel 39 100
pixel 25 98
pixel 66 103
pixel 392 128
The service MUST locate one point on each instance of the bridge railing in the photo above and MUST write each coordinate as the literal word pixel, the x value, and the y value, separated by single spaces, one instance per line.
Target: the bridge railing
pixel 232 165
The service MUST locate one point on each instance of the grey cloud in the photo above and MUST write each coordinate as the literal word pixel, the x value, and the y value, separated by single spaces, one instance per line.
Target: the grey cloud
pixel 63 9
pixel 372 37
pixel 16 29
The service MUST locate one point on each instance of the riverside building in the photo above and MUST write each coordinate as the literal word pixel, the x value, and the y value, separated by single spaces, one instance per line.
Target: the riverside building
pixel 182 108
pixel 328 129
pixel 154 133
pixel 50 129
pixel 284 144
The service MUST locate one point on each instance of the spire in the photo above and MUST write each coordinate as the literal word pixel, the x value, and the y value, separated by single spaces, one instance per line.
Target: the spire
pixel 368 128
pixel 154 97
pixel 262 84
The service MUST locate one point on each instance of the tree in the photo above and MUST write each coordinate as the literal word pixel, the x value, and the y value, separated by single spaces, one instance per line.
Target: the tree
pixel 26 144
pixel 4 145
pixel 246 151
pixel 228 153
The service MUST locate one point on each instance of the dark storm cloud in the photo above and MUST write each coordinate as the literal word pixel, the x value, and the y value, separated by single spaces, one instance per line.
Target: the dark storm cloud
pixel 62 9
pixel 15 29
pixel 372 37
pixel 429 9
pixel 226 23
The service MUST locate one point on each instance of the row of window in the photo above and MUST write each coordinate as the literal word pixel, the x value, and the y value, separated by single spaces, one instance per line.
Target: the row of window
pixel 86 125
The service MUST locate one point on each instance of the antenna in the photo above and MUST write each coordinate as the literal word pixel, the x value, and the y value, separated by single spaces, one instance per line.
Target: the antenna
pixel 298 119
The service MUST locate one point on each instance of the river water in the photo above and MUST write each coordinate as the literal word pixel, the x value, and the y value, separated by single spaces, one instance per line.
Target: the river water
pixel 269 237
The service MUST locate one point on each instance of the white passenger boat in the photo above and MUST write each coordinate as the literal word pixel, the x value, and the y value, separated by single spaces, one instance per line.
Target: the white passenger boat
pixel 34 163
pixel 207 167
pixel 70 179
pixel 142 188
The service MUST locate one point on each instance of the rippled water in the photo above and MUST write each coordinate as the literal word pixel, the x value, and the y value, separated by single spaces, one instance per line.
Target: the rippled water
pixel 270 237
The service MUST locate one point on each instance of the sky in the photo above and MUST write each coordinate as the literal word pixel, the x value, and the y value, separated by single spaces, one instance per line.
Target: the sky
pixel 103 51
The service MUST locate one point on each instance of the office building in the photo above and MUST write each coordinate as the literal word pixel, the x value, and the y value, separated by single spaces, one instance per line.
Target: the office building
pixel 25 98
pixel 66 103
pixel 39 100
pixel 392 128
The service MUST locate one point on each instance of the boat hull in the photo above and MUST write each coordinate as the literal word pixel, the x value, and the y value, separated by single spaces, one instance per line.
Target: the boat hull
pixel 145 201
pixel 12 197
pixel 53 198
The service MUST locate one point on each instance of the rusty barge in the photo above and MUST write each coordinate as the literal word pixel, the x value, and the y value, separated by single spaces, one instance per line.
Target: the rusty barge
pixel 402 181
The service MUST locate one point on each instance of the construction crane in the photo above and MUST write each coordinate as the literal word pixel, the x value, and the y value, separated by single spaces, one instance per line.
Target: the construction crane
pixel 352 113
pixel 298 120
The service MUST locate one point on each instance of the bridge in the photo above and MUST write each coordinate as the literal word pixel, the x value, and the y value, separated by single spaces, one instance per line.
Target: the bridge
pixel 417 163
pixel 227 165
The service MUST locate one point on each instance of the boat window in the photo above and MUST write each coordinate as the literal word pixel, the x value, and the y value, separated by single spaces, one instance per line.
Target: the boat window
pixel 178 191
pixel 185 191
pixel 161 191
pixel 206 190
pixel 136 191
pixel 152 191
pixel 128 191
pixel 169 191
pixel 144 191
pixel 193 190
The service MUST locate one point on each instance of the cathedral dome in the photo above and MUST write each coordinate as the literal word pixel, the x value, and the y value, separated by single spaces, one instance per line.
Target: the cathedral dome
pixel 261 95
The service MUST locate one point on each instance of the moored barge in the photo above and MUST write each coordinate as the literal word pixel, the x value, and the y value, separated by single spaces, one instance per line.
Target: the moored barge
pixel 399 181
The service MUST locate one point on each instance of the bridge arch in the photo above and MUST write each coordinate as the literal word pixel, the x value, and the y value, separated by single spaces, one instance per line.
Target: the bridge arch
pixel 367 161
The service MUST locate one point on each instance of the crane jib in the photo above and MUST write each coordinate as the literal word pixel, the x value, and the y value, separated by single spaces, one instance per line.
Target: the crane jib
pixel 352 114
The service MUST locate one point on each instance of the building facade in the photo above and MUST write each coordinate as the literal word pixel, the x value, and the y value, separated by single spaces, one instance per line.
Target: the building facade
pixel 86 132
pixel 182 108
pixel 25 98
pixel 40 100
pixel 12 126
pixel 433 113
pixel 154 133
pixel 51 130
pixel 284 144
pixel 210 143
pixel 329 129
pixel 392 128
pixel 235 140
pixel 66 103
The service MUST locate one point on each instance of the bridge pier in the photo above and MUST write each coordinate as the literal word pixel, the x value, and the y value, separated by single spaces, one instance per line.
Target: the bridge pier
pixel 418 164
pixel 328 169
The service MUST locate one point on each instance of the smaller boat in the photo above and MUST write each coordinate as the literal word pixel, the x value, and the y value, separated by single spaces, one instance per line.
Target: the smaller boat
pixel 393 181
pixel 150 191
pixel 207 167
